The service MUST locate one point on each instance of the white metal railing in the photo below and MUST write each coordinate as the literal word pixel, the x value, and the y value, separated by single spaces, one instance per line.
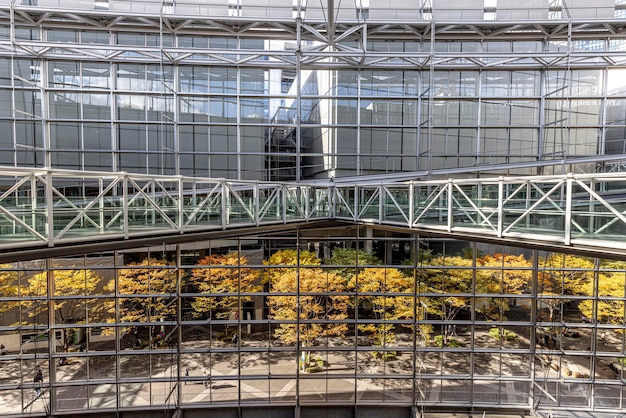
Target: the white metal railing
pixel 40 206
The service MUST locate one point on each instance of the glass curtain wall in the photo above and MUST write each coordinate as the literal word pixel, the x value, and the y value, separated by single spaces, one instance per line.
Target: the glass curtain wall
pixel 276 118
pixel 401 322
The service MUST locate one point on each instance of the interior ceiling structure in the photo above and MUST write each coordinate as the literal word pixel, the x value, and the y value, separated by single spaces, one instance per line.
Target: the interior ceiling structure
pixel 334 44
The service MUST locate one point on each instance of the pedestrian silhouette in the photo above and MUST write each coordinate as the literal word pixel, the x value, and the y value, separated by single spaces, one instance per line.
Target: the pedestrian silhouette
pixel 37 380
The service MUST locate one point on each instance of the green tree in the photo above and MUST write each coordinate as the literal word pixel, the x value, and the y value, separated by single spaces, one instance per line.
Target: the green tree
pixel 223 275
pixel 347 260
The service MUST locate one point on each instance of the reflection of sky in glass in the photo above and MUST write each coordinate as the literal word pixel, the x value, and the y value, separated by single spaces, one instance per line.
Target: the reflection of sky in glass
pixel 616 80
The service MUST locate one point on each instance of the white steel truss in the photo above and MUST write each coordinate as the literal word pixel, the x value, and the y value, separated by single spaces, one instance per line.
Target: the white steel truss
pixel 344 45
pixel 53 207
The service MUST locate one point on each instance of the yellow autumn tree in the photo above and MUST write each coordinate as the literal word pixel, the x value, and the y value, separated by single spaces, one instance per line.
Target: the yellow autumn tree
pixel 147 291
pixel 310 301
pixel 288 258
pixel 9 287
pixel 389 293
pixel 506 274
pixel 560 277
pixel 610 308
pixel 441 277
pixel 566 274
pixel 67 284
pixel 225 277
pixel 452 278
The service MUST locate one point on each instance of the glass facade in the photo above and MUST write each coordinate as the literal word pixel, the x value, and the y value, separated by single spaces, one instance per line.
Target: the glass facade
pixel 401 322
pixel 288 90
pixel 156 94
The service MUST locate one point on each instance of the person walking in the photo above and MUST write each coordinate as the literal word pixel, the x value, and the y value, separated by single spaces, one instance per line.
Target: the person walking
pixel 37 380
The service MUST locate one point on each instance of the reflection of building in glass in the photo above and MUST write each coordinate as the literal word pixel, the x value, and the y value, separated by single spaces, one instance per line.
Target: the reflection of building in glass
pixel 290 90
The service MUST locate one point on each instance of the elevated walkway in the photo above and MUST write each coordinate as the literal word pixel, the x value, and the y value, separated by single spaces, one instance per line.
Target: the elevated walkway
pixel 54 211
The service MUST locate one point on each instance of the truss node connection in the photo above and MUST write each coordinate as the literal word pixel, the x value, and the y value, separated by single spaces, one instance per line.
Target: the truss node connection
pixel 53 207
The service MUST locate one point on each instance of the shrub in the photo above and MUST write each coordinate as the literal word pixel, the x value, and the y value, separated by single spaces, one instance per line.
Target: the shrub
pixel 451 342
pixel 497 333
pixel 384 355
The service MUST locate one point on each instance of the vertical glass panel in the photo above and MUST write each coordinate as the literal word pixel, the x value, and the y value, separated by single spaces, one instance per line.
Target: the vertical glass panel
pixel 223 109
pixel 131 137
pixel 193 109
pixel 96 75
pixel 97 106
pixel 616 81
pixel 253 81
pixel 131 77
pixel 134 394
pixel 64 74
pixel 58 35
pixel 586 82
pixel 28 104
pixel 65 136
pixel 223 80
pixel 131 107
pixel 65 105
pixel 254 110
pixel 5 72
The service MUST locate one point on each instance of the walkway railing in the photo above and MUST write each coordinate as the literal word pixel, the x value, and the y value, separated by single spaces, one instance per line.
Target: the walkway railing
pixel 50 207
pixel 585 210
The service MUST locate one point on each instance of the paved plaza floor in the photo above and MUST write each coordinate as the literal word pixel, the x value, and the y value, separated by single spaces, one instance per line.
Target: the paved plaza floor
pixel 260 376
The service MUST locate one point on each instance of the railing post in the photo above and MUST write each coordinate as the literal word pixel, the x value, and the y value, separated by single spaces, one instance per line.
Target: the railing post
pixel 331 201
pixel 357 201
pixel 125 210
pixel 307 207
pixel 225 196
pixel 255 192
pixel 181 205
pixel 450 206
pixel 567 230
pixel 283 198
pixel 101 205
pixel 49 208
pixel 381 204
pixel 411 204
pixel 500 206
